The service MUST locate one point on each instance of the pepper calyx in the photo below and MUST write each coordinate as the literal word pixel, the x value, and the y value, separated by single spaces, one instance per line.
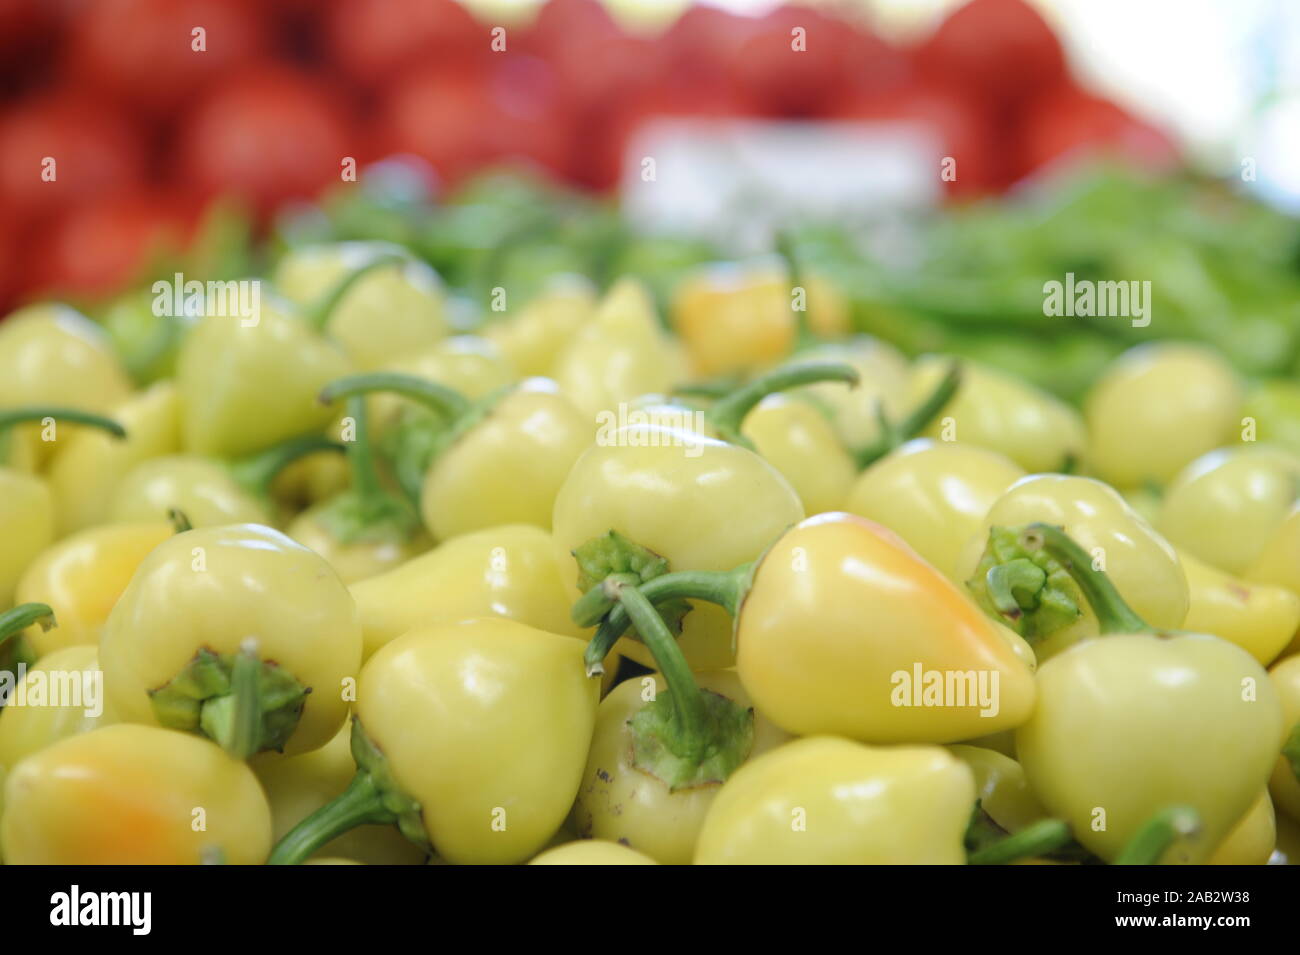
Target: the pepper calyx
pixel 612 555
pixel 201 698
pixel 1026 588
pixel 406 812
pixel 657 745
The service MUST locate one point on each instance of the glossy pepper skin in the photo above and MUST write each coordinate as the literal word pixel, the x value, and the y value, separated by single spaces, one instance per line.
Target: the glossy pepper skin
pixel 814 663
pixel 1137 559
pixel 30 728
pixel 797 439
pixel 512 571
pixel 1157 408
pixel 828 801
pixel 53 355
pixel 246 387
pixel 81 578
pixel 395 307
pixel 532 339
pixel 619 355
pixel 1166 725
pixel 934 495
pixel 201 488
pixel 296 786
pixel 1284 784
pixel 130 795
pixel 624 804
pixel 735 316
pixel 700 503
pixel 213 588
pixel 508 468
pixel 1174 720
pixel 1001 787
pixel 1252 839
pixel 27 513
pixel 1225 506
pixel 592 852
pixel 1036 430
pixel 515 713
pixel 88 467
pixel 1259 618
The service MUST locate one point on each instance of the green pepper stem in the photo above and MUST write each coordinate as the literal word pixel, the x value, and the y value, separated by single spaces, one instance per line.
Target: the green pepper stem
pixel 13 416
pixel 684 692
pixel 728 415
pixel 804 338
pixel 256 472
pixel 1004 580
pixel 361 457
pixel 180 521
pixel 726 588
pixel 1114 615
pixel 241 736
pixel 447 401
pixel 892 435
pixel 1290 749
pixel 15 621
pixel 318 316
pixel 1158 834
pixel 592 606
pixel 360 804
pixel 1036 839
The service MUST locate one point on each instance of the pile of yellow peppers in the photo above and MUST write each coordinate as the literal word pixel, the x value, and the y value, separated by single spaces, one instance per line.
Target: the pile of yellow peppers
pixel 360 579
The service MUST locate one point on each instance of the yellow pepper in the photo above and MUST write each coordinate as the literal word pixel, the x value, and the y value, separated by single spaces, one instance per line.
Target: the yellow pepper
pixel 882 388
pixel 799 441
pixel 934 495
pixel 592 852
pixel 512 571
pixel 133 795
pixel 1004 414
pixel 1142 723
pixel 82 577
pixel 470 736
pixel 1252 839
pixel 1158 407
pixel 373 298
pixel 532 340
pixel 828 801
pixel 1259 618
pixel 625 802
pixel 245 387
pixel 619 355
pixel 1224 507
pixel 175 646
pixel 742 316
pixel 47 715
pixel 88 467
pixel 1036 598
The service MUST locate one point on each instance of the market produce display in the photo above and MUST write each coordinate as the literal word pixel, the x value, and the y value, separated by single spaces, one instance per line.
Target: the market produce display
pixel 450 518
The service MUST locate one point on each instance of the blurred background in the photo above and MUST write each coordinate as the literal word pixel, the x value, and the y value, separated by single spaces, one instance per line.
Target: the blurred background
pixel 938 161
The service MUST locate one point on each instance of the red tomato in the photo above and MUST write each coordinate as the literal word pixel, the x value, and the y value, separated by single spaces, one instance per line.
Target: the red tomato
pixel 374 40
pixel 596 62
pixel 963 133
pixel 266 135
pixel 1068 121
pixel 699 46
pixel 461 120
pixel 101 246
pixel 794 60
pixel 999 51
pixel 94 148
pixel 144 49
